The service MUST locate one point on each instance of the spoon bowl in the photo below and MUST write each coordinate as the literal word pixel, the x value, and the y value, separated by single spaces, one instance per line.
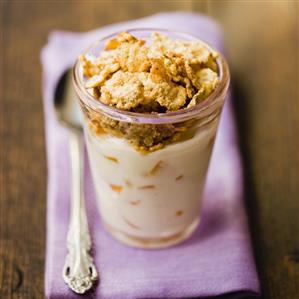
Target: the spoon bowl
pixel 66 107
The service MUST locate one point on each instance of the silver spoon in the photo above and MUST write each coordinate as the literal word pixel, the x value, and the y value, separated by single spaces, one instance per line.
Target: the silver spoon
pixel 79 271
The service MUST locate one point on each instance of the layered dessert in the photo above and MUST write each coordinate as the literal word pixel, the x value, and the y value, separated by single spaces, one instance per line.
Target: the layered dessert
pixel 148 162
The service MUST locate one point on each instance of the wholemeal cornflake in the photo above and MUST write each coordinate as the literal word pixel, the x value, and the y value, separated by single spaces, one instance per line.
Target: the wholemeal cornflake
pixel 124 90
pixel 133 57
pixel 130 75
pixel 99 79
pixel 122 38
pixel 166 75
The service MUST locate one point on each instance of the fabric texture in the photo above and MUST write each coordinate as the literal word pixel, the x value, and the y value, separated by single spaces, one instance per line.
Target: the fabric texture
pixel 216 260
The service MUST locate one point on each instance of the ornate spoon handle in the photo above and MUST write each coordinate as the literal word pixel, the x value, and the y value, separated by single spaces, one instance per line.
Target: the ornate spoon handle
pixel 79 271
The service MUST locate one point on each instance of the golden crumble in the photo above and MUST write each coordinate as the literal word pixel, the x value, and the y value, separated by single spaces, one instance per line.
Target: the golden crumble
pixel 172 73
pixel 165 75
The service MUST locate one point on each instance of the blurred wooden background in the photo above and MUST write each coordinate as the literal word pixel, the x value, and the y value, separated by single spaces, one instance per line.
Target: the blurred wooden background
pixel 262 42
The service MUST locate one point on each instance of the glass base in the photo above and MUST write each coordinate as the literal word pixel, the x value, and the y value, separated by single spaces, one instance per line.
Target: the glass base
pixel 152 243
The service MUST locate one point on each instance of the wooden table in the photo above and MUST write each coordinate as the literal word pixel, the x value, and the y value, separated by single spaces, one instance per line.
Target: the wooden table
pixel 262 42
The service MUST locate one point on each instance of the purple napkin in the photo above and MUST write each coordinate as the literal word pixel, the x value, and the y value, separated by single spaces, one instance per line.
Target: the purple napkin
pixel 216 260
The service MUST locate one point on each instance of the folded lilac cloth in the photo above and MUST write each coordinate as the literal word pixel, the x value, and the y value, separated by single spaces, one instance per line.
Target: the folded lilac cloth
pixel 216 260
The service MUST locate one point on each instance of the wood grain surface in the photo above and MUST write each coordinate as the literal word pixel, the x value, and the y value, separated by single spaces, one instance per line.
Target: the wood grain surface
pixel 262 45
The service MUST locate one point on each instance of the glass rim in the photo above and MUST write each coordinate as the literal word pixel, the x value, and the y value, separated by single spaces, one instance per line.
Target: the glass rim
pixel 148 118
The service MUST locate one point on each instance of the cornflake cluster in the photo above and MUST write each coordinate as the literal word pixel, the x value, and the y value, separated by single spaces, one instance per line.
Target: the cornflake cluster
pixel 166 75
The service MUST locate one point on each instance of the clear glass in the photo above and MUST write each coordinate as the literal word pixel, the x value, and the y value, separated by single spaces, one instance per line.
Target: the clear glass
pixel 149 170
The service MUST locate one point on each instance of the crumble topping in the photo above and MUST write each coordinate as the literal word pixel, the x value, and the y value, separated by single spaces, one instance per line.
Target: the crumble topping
pixel 162 76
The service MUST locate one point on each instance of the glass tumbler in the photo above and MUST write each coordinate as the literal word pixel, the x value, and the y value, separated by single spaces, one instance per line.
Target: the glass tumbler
pixel 149 199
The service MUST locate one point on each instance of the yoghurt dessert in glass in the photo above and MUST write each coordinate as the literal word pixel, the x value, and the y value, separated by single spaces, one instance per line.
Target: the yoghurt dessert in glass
pixel 151 101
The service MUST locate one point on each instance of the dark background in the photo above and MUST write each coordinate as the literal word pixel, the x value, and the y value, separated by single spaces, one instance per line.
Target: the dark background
pixel 262 42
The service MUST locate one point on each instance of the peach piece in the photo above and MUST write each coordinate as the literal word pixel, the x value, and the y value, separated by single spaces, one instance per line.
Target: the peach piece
pixel 155 169
pixel 147 187
pixel 113 159
pixel 179 177
pixel 131 224
pixel 135 202
pixel 179 213
pixel 116 188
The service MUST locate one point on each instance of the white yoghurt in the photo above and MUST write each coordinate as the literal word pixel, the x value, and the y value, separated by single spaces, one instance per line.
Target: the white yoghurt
pixel 137 201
